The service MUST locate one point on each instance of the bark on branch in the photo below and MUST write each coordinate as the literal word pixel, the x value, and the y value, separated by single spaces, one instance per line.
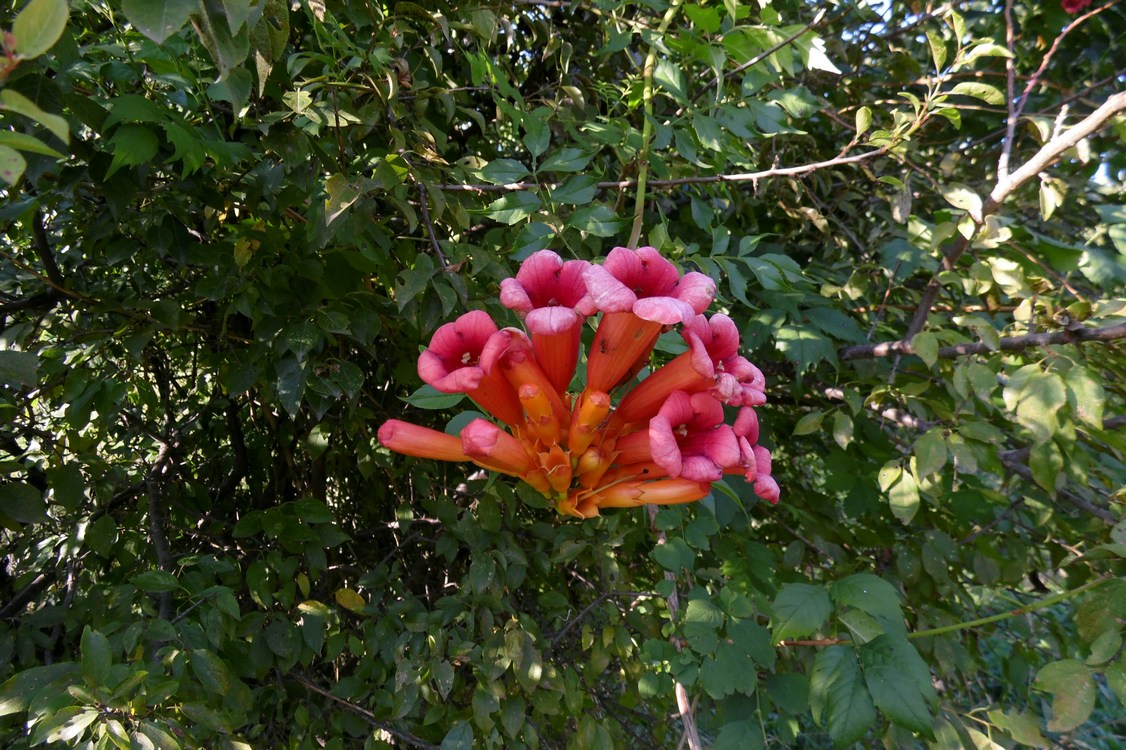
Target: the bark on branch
pixel 1009 344
pixel 1048 154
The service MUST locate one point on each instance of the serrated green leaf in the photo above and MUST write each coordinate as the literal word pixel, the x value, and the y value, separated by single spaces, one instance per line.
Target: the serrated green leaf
pixel 838 696
pixel 514 207
pixel 577 190
pixel 899 682
pixel 798 610
pixel 567 159
pixel 872 594
pixel 1074 692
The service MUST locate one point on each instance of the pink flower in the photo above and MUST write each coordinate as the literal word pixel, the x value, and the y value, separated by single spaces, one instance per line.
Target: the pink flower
pixel 1074 6
pixel 711 342
pixel 765 486
pixel 646 284
pixel 688 438
pixel 550 294
pixel 461 359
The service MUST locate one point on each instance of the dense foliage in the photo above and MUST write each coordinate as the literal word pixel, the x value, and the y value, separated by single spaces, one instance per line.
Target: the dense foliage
pixel 230 225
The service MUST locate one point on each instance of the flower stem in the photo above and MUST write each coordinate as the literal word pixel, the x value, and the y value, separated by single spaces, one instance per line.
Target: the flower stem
pixel 1030 607
pixel 647 125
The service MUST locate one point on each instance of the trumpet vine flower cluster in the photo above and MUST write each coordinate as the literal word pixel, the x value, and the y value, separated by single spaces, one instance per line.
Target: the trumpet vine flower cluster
pixel 615 443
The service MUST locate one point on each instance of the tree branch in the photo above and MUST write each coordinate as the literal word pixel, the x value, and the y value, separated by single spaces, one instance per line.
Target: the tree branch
pixel 1009 344
pixel 512 187
pixel 1048 154
pixel 368 715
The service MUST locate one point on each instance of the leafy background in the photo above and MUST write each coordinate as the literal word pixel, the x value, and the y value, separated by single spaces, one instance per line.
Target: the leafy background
pixel 230 224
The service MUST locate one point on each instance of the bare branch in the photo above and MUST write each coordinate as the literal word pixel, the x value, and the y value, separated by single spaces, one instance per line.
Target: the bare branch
pixel 699 180
pixel 1010 100
pixel 1009 344
pixel 424 204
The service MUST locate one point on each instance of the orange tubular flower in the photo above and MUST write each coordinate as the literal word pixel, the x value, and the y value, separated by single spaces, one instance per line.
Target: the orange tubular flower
pixel 666 441
pixel 420 442
pixel 658 492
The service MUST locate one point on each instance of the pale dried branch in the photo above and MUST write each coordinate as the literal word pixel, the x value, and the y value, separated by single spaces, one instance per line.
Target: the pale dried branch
pixel 1009 344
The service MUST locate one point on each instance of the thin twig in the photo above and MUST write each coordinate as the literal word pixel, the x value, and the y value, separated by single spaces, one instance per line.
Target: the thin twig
pixel 424 204
pixel 647 125
pixel 683 704
pixel 676 182
pixel 1008 344
pixel 1047 58
pixel 1010 86
pixel 368 715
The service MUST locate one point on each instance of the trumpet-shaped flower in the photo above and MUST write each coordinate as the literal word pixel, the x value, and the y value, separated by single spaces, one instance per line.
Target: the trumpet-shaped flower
pixel 665 442
pixel 688 438
pixel 551 295
pixel 638 292
pixel 460 359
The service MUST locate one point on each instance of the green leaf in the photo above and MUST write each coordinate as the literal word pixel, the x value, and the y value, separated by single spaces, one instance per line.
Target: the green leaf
pixel 19 369
pixel 567 159
pixel 798 610
pixel 838 696
pixel 21 502
pixel 156 581
pixel 744 734
pixel 985 92
pixel 938 49
pixel 514 207
pixel 1073 689
pixel 961 196
pixel 598 220
pixel 96 657
pixel 28 143
pixel 211 671
pixel 159 19
pixel 930 452
pixel 863 120
pixel 904 498
pixel 132 145
pixel 871 594
pixel 668 76
pixel 429 397
pixel 12 165
pixel 809 423
pixel 1024 727
pixel 674 555
pixel 460 737
pixel 925 345
pixel 227 49
pixel 899 682
pixel 13 101
pixel 577 190
pixel 504 171
pixel 1041 398
pixel 842 429
pixel 38 26
pixel 19 691
pixel 1086 395
pixel 804 346
pixel 1046 462
pixel 861 625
